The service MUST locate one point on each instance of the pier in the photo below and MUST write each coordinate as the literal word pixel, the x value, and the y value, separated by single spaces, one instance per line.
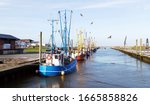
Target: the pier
pixel 143 55
pixel 16 66
pixel 16 60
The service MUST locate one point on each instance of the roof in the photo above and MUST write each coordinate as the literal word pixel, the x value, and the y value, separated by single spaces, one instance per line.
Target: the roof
pixel 26 40
pixel 5 36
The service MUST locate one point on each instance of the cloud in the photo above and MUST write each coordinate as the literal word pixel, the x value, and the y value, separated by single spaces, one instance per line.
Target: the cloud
pixel 4 4
pixel 36 4
pixel 108 4
pixel 146 6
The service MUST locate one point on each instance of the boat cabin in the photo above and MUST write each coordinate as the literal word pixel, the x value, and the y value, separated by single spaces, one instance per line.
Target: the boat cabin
pixel 54 59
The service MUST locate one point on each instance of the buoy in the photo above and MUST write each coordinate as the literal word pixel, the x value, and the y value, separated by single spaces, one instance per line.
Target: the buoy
pixel 36 71
pixel 49 57
pixel 62 73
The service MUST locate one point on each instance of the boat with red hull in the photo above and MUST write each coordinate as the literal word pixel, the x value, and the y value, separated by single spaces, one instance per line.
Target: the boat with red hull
pixel 80 57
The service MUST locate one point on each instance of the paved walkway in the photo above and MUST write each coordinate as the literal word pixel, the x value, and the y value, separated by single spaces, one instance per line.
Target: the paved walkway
pixel 16 60
pixel 28 57
pixel 145 52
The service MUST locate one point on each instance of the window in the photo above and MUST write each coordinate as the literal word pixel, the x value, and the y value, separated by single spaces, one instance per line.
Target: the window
pixel 56 57
pixel 7 41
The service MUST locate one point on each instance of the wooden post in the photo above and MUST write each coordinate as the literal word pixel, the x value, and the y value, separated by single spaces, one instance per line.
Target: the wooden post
pixel 136 46
pixel 140 47
pixel 40 48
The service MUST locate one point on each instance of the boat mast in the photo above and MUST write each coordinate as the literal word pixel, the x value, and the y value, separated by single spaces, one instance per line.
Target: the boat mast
pixel 52 36
pixel 77 39
pixel 69 29
pixel 80 40
pixel 65 33
pixel 61 31
pixel 86 43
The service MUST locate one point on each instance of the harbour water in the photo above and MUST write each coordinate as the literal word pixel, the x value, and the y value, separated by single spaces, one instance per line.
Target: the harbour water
pixel 107 68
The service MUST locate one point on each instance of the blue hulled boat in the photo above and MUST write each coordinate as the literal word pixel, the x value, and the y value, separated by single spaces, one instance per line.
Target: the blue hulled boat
pixel 59 62
pixel 57 70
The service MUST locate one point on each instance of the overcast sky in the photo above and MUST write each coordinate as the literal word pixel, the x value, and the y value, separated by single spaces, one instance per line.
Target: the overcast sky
pixel 119 18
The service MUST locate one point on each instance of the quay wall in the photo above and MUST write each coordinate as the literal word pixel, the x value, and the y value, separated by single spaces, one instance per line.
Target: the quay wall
pixel 17 73
pixel 141 57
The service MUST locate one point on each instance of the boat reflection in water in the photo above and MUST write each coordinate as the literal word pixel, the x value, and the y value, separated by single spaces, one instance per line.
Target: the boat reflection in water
pixel 52 82
pixel 64 80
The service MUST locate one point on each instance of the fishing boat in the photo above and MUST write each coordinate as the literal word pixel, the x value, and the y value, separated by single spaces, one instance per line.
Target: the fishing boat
pixel 80 57
pixel 80 52
pixel 91 46
pixel 57 64
pixel 59 61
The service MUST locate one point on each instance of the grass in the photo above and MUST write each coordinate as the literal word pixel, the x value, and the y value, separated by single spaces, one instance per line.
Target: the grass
pixel 34 49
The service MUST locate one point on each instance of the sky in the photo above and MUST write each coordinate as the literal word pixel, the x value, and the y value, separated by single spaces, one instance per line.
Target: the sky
pixel 118 18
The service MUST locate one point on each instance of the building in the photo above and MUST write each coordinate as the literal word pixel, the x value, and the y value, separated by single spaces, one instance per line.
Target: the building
pixel 24 43
pixel 34 44
pixel 7 44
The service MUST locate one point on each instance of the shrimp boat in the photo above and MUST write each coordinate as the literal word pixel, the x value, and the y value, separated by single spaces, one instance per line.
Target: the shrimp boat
pixel 59 61
pixel 80 52
pixel 80 55
pixel 57 64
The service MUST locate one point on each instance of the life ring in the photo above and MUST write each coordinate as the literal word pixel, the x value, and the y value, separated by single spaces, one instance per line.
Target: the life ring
pixel 49 57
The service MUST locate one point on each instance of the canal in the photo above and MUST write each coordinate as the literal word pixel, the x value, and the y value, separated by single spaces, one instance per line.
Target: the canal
pixel 107 68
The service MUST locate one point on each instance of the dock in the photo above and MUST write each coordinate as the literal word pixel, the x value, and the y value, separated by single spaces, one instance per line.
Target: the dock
pixel 143 55
pixel 16 66
pixel 17 60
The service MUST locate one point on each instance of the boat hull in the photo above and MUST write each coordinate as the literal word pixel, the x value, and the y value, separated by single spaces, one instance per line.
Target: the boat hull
pixel 80 57
pixel 87 54
pixel 46 70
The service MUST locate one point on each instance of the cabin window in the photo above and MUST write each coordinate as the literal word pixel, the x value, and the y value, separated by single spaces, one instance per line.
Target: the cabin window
pixel 56 57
